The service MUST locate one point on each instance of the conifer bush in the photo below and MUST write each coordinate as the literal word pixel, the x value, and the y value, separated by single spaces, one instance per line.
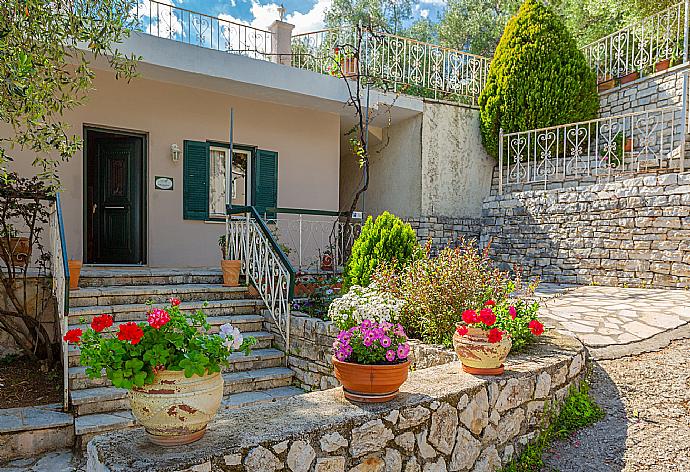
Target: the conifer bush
pixel 387 239
pixel 537 78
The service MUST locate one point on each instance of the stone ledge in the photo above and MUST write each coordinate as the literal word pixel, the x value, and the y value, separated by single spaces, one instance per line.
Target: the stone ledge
pixel 447 418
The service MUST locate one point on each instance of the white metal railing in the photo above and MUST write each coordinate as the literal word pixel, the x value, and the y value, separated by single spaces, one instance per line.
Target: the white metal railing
pixel 60 285
pixel 306 238
pixel 640 46
pixel 263 263
pixel 172 22
pixel 403 64
pixel 601 148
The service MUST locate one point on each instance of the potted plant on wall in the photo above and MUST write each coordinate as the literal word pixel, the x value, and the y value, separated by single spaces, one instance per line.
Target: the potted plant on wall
pixel 371 352
pixel 607 82
pixel 171 366
pixel 14 247
pixel 231 267
pixel 630 77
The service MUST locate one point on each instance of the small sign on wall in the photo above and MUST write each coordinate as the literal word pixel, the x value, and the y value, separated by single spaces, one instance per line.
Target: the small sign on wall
pixel 164 183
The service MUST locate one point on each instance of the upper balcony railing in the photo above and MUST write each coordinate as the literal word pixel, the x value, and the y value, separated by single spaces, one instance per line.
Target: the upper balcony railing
pixel 179 24
pixel 393 62
pixel 639 47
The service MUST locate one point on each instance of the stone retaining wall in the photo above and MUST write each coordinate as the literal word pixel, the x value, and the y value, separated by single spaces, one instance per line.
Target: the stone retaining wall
pixel 444 231
pixel 443 420
pixel 630 233
pixel 311 348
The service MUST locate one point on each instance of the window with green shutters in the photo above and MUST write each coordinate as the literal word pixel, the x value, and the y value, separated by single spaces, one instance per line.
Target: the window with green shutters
pixel 197 179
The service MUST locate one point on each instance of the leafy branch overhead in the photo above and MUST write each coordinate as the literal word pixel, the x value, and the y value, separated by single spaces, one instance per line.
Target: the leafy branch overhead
pixel 46 50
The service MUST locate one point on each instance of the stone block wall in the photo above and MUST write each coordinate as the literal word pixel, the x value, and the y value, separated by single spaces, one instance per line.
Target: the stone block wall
pixel 443 420
pixel 444 231
pixel 630 233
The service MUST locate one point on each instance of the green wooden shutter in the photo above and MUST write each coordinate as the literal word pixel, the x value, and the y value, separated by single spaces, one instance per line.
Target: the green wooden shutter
pixel 195 180
pixel 265 181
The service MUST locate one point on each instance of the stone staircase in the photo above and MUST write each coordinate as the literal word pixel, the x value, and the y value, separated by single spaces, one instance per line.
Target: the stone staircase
pixel 123 293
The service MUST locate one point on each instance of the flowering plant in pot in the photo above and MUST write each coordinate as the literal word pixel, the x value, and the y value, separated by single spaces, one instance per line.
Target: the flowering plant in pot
pixel 171 365
pixel 371 352
pixel 485 337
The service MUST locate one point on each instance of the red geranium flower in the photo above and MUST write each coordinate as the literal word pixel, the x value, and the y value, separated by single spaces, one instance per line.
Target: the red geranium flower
pixel 469 316
pixel 175 301
pixel 487 316
pixel 462 330
pixel 536 327
pixel 73 336
pixel 130 332
pixel 102 322
pixel 495 335
pixel 513 311
pixel 490 303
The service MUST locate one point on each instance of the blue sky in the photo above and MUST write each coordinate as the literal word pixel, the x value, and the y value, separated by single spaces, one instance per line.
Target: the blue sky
pixel 306 15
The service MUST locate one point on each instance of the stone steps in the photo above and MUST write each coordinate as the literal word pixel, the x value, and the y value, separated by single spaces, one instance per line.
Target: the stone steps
pixel 31 431
pixel 99 277
pixel 137 311
pixel 141 294
pixel 264 340
pixel 258 359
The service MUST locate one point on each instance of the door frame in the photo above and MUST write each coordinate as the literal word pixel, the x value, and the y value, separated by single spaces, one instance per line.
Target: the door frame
pixel 144 190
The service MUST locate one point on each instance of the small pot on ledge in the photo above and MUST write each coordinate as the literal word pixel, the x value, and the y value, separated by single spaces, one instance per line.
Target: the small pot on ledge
pixel 607 84
pixel 74 273
pixel 631 77
pixel 370 383
pixel 478 355
pixel 662 65
pixel 231 272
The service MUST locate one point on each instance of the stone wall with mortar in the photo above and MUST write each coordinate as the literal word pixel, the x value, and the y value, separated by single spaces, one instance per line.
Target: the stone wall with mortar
pixel 443 420
pixel 445 231
pixel 630 233
pixel 311 348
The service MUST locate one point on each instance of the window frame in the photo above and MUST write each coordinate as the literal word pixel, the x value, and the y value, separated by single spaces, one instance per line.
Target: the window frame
pixel 251 155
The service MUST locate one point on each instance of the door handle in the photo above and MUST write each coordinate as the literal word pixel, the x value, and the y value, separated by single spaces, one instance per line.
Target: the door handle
pixel 93 209
pixel 114 208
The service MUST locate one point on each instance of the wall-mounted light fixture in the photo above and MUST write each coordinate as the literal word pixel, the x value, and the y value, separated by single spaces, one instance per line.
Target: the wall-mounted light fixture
pixel 175 152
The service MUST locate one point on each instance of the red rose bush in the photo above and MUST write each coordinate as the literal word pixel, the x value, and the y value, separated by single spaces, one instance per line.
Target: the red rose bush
pixel 132 353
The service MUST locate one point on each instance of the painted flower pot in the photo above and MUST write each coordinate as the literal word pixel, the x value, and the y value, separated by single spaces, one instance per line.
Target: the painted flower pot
pixel 370 383
pixel 74 273
pixel 662 65
pixel 175 410
pixel 478 355
pixel 231 272
pixel 626 79
pixel 18 250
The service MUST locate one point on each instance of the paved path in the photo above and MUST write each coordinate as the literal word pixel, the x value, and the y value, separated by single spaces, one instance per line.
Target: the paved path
pixel 610 316
pixel 647 425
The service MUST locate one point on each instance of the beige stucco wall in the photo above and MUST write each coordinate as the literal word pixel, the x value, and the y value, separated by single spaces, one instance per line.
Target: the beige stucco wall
pixel 456 171
pixel 307 143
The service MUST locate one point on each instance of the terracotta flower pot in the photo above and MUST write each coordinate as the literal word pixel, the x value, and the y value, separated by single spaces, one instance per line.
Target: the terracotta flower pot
pixel 175 410
pixel 478 355
pixel 74 273
pixel 350 70
pixel 231 272
pixel 662 65
pixel 607 85
pixel 631 77
pixel 628 146
pixel 19 250
pixel 370 383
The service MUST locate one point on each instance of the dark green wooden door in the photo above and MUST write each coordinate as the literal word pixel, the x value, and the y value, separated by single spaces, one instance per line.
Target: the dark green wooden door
pixel 116 196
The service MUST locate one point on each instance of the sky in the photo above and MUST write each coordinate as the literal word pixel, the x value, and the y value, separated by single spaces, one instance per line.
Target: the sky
pixel 306 15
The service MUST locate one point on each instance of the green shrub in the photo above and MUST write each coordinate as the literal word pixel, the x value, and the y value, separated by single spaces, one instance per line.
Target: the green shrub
pixel 537 78
pixel 387 239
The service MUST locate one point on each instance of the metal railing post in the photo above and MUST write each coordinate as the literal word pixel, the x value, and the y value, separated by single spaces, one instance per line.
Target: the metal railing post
pixel 299 263
pixel 686 27
pixel 684 117
pixel 500 162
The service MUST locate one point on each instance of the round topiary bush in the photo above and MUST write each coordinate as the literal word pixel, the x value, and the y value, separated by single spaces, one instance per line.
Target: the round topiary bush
pixel 538 77
pixel 386 239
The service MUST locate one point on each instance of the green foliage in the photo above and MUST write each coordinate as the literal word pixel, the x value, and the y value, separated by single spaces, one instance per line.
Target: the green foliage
pixel 518 327
pixel 436 290
pixel 384 240
pixel 184 343
pixel 578 411
pixel 45 73
pixel 538 77
pixel 382 15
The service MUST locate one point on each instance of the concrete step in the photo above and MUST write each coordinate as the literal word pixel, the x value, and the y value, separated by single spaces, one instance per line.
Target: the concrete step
pixel 259 379
pixel 138 311
pixel 99 277
pixel 123 295
pixel 258 359
pixel 90 425
pixel 91 401
pixel 264 341
pixel 30 431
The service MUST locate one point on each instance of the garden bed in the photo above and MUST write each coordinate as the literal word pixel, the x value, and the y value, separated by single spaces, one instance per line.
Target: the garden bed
pixel 24 382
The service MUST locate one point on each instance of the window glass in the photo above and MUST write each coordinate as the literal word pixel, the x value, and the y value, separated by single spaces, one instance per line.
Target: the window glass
pixel 240 188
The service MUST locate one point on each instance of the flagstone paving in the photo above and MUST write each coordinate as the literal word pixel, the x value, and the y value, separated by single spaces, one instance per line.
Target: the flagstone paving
pixel 608 316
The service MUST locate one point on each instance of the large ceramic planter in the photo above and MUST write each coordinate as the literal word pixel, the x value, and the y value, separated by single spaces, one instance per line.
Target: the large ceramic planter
pixel 175 410
pixel 370 383
pixel 478 355
pixel 231 272
pixel 74 273
pixel 18 249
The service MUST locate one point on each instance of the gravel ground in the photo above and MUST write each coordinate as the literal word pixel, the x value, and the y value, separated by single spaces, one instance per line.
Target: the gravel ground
pixel 647 424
